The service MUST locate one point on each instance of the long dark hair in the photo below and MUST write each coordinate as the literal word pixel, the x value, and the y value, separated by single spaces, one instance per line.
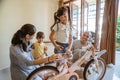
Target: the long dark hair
pixel 59 13
pixel 19 36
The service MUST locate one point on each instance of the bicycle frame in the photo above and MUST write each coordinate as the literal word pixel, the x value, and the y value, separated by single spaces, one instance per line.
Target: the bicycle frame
pixel 67 71
pixel 84 58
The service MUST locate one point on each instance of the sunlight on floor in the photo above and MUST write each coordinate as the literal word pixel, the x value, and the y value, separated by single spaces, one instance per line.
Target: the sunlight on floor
pixel 115 77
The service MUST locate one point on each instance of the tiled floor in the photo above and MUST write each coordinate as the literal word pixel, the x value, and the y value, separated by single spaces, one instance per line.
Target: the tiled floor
pixel 5 74
pixel 112 73
pixel 116 75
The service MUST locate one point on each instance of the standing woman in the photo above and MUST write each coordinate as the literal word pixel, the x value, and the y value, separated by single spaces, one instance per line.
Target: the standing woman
pixel 61 32
pixel 22 62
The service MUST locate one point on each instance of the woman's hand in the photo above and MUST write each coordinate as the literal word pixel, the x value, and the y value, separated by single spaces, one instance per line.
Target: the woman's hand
pixel 54 57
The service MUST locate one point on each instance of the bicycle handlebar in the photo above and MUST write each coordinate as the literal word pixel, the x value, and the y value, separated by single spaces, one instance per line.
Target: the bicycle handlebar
pixel 101 53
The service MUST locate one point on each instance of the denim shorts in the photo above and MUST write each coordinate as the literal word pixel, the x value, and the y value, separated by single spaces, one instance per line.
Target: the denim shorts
pixel 64 48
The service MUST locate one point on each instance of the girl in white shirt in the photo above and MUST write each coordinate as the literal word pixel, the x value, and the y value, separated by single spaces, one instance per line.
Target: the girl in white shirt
pixel 61 32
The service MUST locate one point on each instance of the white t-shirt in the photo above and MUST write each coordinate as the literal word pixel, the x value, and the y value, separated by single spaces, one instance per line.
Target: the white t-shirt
pixel 62 32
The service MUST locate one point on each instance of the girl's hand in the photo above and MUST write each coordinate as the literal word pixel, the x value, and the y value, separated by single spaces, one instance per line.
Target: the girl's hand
pixel 54 57
pixel 58 47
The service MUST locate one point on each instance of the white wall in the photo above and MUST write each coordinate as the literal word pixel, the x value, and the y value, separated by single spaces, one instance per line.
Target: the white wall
pixel 15 13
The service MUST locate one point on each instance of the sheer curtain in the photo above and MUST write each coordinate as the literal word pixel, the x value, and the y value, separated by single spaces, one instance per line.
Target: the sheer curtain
pixel 108 36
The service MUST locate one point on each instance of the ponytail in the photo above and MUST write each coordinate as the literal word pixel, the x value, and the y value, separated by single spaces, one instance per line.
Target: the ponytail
pixel 56 20
pixel 16 38
pixel 19 37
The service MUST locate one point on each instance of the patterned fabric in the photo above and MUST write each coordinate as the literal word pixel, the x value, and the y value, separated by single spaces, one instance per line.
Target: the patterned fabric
pixel 21 63
pixel 79 49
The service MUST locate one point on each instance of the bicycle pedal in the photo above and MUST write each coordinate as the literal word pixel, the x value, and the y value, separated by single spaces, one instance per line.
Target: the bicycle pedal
pixel 89 72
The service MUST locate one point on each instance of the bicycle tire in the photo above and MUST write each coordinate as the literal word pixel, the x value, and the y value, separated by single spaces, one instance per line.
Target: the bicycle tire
pixel 43 69
pixel 86 70
pixel 73 77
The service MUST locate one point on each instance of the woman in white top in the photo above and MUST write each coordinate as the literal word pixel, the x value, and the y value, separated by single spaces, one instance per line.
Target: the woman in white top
pixel 61 32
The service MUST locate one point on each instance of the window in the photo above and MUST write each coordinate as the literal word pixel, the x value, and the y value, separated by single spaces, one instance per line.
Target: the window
pixel 87 17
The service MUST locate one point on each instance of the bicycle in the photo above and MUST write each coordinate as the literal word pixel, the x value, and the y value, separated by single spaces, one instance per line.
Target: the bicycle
pixel 94 69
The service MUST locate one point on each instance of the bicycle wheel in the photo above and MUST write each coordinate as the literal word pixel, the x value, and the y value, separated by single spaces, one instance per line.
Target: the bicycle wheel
pixel 43 73
pixel 73 77
pixel 93 71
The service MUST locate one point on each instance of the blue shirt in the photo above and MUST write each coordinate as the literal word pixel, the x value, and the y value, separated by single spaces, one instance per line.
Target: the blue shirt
pixel 21 62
